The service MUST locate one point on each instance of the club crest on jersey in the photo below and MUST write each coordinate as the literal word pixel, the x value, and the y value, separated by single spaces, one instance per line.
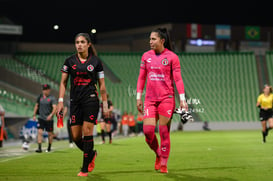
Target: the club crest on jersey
pixel 165 61
pixel 90 68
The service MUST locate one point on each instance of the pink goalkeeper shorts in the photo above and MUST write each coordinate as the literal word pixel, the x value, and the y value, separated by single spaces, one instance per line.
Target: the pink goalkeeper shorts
pixel 152 109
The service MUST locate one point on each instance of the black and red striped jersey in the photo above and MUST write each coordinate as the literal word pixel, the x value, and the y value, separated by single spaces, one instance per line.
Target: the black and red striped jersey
pixel 83 76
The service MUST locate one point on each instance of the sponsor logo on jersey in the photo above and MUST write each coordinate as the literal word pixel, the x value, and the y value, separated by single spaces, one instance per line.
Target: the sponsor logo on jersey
pixel 90 68
pixel 165 61
pixel 156 77
pixel 149 60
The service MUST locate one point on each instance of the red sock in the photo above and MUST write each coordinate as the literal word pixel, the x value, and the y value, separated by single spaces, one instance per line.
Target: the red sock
pixel 165 143
pixel 151 140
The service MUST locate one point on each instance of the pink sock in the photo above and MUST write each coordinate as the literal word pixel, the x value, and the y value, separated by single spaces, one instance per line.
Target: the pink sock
pixel 165 143
pixel 151 140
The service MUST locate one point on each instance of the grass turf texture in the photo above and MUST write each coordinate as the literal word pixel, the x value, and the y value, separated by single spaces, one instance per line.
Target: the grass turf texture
pixel 206 156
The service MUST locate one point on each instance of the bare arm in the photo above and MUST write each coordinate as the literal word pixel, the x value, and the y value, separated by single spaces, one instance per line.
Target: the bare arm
pixel 54 108
pixel 63 85
pixel 35 111
pixel 103 94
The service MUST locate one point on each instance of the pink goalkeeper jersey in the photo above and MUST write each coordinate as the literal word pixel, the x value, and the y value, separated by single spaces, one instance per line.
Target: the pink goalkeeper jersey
pixel 161 71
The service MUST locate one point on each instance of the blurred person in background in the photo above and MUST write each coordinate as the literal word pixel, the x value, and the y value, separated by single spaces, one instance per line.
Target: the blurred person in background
pixel 68 126
pixel 85 70
pixel 140 123
pixel 131 124
pixel 161 67
pixel 45 107
pixel 106 121
pixel 265 102
pixel 124 124
pixel 2 125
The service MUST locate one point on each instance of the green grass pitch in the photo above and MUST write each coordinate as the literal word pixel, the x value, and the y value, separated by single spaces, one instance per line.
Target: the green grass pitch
pixel 206 156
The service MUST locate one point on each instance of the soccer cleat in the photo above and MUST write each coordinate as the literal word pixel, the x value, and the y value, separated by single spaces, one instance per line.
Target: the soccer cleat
pixel 163 169
pixel 38 151
pixel 157 163
pixel 91 165
pixel 185 116
pixel 264 137
pixel 83 174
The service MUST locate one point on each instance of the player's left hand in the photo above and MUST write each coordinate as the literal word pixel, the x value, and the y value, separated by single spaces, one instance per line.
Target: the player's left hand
pixel 184 105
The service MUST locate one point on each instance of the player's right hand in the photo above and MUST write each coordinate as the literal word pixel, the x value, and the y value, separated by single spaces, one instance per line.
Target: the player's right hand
pixel 60 107
pixel 140 106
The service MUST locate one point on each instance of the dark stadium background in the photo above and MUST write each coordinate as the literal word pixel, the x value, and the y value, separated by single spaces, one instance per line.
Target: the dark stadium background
pixel 38 17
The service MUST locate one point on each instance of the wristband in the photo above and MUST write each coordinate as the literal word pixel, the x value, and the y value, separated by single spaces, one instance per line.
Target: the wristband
pixel 182 97
pixel 61 99
pixel 138 95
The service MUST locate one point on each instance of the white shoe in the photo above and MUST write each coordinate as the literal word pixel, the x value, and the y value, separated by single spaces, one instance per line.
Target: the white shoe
pixel 71 145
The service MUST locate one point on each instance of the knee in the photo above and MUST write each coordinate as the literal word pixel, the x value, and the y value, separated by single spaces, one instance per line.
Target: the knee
pixel 87 130
pixel 149 131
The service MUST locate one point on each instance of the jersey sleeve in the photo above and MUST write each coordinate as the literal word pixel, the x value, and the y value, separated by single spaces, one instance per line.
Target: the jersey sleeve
pixel 177 75
pixel 53 100
pixel 259 99
pixel 65 67
pixel 142 76
pixel 38 99
pixel 99 69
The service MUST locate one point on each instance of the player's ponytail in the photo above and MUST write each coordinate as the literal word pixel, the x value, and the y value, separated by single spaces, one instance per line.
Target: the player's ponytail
pixel 164 34
pixel 91 49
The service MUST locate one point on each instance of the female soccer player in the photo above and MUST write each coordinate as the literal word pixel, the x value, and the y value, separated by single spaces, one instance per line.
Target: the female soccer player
pixel 160 66
pixel 264 102
pixel 107 121
pixel 85 70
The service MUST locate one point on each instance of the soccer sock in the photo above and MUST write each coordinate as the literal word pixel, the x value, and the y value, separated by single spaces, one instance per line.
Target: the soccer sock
pixel 151 139
pixel 165 143
pixel 88 145
pixel 40 146
pixel 49 147
pixel 110 135
pixel 79 143
pixel 102 135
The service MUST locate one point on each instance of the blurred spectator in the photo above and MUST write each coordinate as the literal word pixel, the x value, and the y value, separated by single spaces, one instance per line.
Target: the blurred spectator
pixel 106 121
pixel 66 112
pixel 206 126
pixel 131 124
pixel 140 123
pixel 124 124
pixel 2 125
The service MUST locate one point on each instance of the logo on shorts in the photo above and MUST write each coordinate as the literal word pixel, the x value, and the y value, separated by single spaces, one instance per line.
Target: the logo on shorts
pixel 169 112
pixel 90 68
pixel 164 149
pixel 72 119
pixel 91 117
pixel 165 61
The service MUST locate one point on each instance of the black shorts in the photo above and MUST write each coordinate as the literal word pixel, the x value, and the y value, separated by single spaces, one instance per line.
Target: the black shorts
pixel 108 120
pixel 45 125
pixel 265 114
pixel 86 110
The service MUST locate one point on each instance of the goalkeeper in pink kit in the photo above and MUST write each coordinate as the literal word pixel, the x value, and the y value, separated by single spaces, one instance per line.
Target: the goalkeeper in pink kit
pixel 160 66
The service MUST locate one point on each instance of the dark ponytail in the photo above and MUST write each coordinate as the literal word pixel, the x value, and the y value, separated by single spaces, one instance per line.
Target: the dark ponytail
pixel 164 34
pixel 91 49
